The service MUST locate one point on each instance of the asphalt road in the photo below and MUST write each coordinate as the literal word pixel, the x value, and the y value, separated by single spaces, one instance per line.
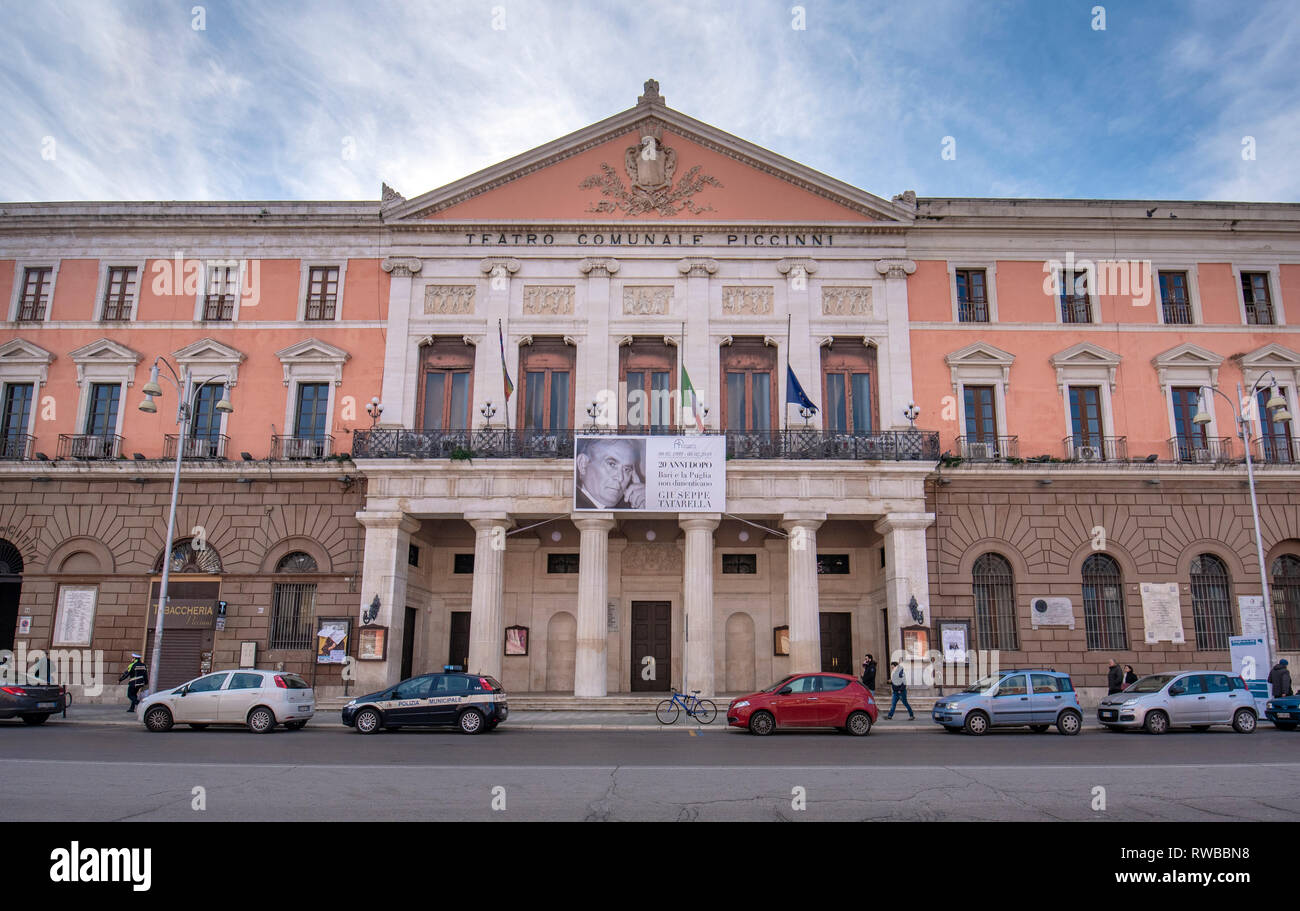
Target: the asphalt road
pixel 101 773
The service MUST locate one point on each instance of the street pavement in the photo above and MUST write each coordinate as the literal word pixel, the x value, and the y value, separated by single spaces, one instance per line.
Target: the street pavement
pixel 90 770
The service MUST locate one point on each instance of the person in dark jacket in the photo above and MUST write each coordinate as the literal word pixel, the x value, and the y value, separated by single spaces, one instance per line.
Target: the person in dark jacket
pixel 869 672
pixel 1279 680
pixel 136 676
pixel 1130 678
pixel 898 683
pixel 1114 678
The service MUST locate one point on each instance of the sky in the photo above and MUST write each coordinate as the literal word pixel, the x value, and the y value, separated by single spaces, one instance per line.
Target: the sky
pixel 161 100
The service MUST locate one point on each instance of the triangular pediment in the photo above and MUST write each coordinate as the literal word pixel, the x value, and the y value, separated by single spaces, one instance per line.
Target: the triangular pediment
pixel 313 350
pixel 1187 355
pixel 980 354
pixel 1085 354
pixel 209 349
pixel 1273 356
pixel 21 351
pixel 105 351
pixel 687 171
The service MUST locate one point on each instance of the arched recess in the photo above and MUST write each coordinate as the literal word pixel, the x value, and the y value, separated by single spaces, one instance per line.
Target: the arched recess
pixel 189 556
pixel 1237 568
pixel 561 652
pixel 977 549
pixel 11 584
pixel 285 546
pixel 741 665
pixel 81 555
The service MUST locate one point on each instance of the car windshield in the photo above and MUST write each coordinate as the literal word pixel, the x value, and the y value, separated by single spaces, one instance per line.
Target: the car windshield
pixel 780 683
pixel 984 683
pixel 1153 684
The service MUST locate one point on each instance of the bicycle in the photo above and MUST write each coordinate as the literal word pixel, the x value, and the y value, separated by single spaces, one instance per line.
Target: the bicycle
pixel 701 710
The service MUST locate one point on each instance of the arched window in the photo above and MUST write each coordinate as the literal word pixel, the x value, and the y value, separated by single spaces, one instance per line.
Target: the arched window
pixel 190 555
pixel 11 561
pixel 293 605
pixel 1103 603
pixel 296 562
pixel 1286 601
pixel 1211 602
pixel 995 603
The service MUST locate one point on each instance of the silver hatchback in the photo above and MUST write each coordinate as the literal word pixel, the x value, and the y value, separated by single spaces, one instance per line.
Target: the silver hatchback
pixel 1195 699
pixel 254 698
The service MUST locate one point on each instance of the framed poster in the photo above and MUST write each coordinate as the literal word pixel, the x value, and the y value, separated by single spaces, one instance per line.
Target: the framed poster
pixel 516 640
pixel 248 654
pixel 332 640
pixel 916 641
pixel 781 640
pixel 954 639
pixel 372 643
pixel 75 623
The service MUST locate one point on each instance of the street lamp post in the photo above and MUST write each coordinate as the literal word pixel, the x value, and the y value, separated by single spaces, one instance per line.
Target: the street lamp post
pixel 1277 406
pixel 186 392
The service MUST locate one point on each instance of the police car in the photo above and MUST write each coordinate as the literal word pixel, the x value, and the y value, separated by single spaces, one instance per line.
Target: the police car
pixel 472 702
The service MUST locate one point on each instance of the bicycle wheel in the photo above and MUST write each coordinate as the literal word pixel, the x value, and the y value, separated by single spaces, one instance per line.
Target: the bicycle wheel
pixel 705 711
pixel 667 711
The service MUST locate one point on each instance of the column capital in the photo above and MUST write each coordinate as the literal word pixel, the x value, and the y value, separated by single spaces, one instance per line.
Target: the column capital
pixel 707 521
pixel 594 521
pixel 481 521
pixel 895 268
pixel 599 267
pixel 812 520
pixel 402 266
pixel 398 520
pixel 904 521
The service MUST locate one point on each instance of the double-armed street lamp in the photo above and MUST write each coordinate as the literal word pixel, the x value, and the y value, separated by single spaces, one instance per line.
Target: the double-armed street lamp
pixel 187 392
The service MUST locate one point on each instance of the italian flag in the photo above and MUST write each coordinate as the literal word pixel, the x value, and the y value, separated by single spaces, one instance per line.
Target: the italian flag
pixel 690 399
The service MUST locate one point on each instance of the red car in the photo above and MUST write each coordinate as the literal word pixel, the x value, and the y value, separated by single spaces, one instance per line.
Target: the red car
pixel 807 701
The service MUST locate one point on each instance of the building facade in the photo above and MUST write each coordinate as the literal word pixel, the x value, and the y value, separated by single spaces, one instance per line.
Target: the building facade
pixel 651 275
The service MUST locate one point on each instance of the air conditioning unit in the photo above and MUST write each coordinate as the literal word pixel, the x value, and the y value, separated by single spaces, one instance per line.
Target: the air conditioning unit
pixel 91 447
pixel 1088 453
pixel 980 451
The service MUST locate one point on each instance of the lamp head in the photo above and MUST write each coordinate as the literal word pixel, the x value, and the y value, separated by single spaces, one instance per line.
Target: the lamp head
pixel 152 388
pixel 224 406
pixel 148 406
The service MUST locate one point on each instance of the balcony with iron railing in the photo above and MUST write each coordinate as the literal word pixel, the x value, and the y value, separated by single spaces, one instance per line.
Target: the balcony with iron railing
pixel 1277 449
pixel 16 447
pixel 972 311
pixel 989 449
pixel 89 446
pixel 1096 449
pixel 1076 308
pixel 196 447
pixel 1206 451
pixel 315 446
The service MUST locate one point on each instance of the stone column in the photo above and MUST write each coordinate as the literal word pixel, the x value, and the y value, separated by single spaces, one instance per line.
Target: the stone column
pixel 895 358
pixel 488 382
pixel 487 615
pixel 589 673
pixel 802 601
pixel 800 304
pixel 383 575
pixel 907 576
pixel 699 354
pixel 597 351
pixel 697 597
pixel 399 375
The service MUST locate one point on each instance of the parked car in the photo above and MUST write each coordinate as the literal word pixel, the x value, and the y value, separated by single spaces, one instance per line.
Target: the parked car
pixel 33 703
pixel 1195 699
pixel 472 702
pixel 1033 697
pixel 837 701
pixel 1284 712
pixel 257 699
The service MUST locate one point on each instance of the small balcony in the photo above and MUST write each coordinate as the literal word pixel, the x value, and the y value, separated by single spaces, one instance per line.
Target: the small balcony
pixel 16 447
pixel 284 446
pixel 196 447
pixel 1206 451
pixel 989 449
pixel 1277 449
pixel 89 446
pixel 1096 449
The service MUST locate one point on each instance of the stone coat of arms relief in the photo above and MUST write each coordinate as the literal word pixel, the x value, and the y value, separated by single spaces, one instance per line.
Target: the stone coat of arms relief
pixel 650 169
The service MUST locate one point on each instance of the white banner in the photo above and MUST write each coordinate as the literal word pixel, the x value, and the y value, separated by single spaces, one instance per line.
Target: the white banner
pixel 650 473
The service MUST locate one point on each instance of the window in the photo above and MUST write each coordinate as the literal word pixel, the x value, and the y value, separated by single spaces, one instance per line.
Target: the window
pixel 418 688
pixel 1175 304
pixel 561 563
pixel 15 419
pixel 1103 603
pixel 1255 294
pixel 546 400
pixel 1286 601
pixel 447 367
pixel 293 610
pixel 831 684
pixel 748 378
pixel 739 564
pixel 1192 685
pixel 322 292
pixel 1190 435
pixel 207 419
pixel 296 562
pixel 186 558
pixel 313 405
pixel 1275 436
pixel 101 416
pixel 804 684
pixel 995 603
pixel 646 368
pixel 1013 685
pixel 245 682
pixel 833 564
pixel 208 684
pixel 981 415
pixel 1085 416
pixel 848 389
pixel 450 685
pixel 221 293
pixel 1076 307
pixel 1211 602
pixel 1046 683
pixel 462 564
pixel 119 293
pixel 1217 683
pixel 38 284
pixel 972 302
pixel 412 555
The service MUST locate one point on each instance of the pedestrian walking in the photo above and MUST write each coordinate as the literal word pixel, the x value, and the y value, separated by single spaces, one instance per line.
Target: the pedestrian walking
pixel 1279 680
pixel 1114 678
pixel 869 672
pixel 898 683
pixel 136 676
pixel 1130 678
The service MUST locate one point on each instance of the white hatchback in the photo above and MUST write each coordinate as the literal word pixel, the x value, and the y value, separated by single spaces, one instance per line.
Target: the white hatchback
pixel 258 699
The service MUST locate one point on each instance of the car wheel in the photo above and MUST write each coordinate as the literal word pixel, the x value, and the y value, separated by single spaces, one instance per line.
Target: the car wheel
pixel 471 721
pixel 1200 728
pixel 762 723
pixel 261 720
pixel 1039 728
pixel 34 719
pixel 1244 722
pixel 294 725
pixel 859 724
pixel 158 719
pixel 367 721
pixel 1284 725
pixel 198 727
pixel 1069 723
pixel 1156 723
pixel 977 723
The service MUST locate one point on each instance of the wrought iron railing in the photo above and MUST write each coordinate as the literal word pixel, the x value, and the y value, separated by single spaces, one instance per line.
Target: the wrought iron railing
pixel 498 443
pixel 1278 449
pixel 285 446
pixel 16 447
pixel 196 447
pixel 989 449
pixel 1207 451
pixel 89 446
pixel 1096 449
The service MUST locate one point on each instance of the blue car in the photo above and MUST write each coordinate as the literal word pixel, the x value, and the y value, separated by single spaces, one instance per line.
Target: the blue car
pixel 1284 712
pixel 1036 698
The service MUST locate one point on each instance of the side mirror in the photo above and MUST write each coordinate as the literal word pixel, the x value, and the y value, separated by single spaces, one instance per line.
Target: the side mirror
pixel 1176 690
pixel 183 690
pixel 785 691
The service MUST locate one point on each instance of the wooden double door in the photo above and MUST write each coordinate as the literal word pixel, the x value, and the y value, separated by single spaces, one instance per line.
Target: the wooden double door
pixel 837 643
pixel 652 637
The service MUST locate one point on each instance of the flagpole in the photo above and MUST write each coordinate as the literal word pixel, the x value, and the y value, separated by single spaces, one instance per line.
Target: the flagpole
pixel 786 406
pixel 681 393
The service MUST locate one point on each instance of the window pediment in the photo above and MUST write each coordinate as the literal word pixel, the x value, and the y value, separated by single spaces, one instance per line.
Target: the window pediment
pixel 315 358
pixel 1187 363
pixel 1085 362
pixel 208 357
pixel 1280 360
pixel 980 361
pixel 105 359
pixel 21 359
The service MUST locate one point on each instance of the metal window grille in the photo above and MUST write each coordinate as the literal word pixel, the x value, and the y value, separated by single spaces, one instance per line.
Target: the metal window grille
pixel 297 562
pixel 118 294
pixel 293 611
pixel 833 564
pixel 995 603
pixel 1103 603
pixel 1286 601
pixel 322 292
pixel 742 564
pixel 1173 298
pixel 36 294
pixel 1211 602
pixel 561 563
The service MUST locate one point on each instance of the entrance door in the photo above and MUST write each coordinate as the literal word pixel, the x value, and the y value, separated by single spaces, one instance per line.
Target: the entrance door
pixel 408 643
pixel 837 643
pixel 182 655
pixel 10 588
pixel 458 654
pixel 652 628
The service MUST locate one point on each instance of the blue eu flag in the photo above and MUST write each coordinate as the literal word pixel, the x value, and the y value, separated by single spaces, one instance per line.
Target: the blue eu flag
pixel 794 393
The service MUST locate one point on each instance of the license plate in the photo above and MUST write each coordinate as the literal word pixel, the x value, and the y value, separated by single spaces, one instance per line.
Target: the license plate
pixel 1107 714
pixel 1285 715
pixel 305 708
pixel 45 705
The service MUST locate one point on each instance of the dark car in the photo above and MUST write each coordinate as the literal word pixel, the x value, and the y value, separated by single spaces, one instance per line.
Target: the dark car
pixel 33 703
pixel 837 701
pixel 1284 712
pixel 471 702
